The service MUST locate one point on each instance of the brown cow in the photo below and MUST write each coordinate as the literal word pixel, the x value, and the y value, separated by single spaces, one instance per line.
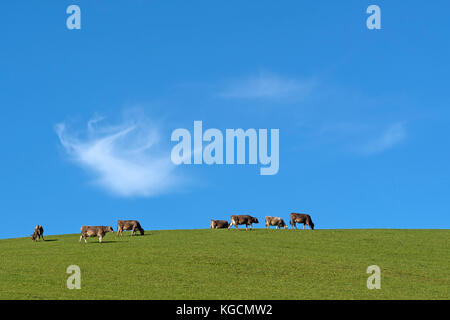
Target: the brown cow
pixel 301 218
pixel 94 231
pixel 219 224
pixel 132 225
pixel 275 221
pixel 242 219
pixel 38 233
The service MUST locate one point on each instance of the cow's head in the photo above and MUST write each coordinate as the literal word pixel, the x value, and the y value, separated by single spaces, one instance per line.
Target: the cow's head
pixel 33 237
pixel 110 229
pixel 282 224
pixel 255 220
pixel 312 225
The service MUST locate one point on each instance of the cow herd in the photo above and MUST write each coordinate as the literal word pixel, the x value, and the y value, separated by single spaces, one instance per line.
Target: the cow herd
pixel 278 222
pixel 100 231
pixel 134 225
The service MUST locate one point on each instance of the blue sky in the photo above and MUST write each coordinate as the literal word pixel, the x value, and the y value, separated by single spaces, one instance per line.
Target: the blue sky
pixel 363 114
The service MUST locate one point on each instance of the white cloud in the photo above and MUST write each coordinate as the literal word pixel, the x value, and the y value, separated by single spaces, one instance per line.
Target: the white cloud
pixel 124 159
pixel 268 86
pixel 392 136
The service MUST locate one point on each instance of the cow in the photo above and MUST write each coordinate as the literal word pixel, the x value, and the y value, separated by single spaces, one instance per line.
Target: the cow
pixel 275 221
pixel 301 218
pixel 132 225
pixel 38 233
pixel 94 231
pixel 242 219
pixel 219 224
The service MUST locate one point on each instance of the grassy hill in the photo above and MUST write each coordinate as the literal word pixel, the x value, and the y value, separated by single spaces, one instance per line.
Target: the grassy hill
pixel 222 264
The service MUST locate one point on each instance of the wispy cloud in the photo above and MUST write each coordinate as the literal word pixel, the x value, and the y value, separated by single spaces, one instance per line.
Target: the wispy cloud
pixel 268 86
pixel 392 136
pixel 125 159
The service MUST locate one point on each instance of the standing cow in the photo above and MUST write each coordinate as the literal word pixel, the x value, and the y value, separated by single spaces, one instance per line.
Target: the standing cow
pixel 132 225
pixel 301 218
pixel 219 224
pixel 94 231
pixel 38 233
pixel 275 221
pixel 242 219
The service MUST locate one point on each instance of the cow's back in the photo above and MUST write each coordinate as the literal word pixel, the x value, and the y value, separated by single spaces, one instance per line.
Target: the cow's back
pixel 275 221
pixel 299 217
pixel 220 224
pixel 271 221
pixel 93 231
pixel 242 219
pixel 39 230
pixel 128 224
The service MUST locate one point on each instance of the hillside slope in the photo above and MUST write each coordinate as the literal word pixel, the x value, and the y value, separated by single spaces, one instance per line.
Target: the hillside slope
pixel 230 264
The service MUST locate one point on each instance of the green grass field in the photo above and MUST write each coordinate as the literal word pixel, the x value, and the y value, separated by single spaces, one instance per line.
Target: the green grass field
pixel 230 264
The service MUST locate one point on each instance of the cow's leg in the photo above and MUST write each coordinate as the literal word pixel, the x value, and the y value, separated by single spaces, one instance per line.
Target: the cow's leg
pixel 80 238
pixel 304 226
pixel 100 238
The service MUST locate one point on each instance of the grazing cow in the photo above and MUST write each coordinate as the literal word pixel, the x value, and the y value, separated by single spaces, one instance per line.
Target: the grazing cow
pixel 94 231
pixel 275 221
pixel 132 225
pixel 301 218
pixel 242 219
pixel 38 233
pixel 219 224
